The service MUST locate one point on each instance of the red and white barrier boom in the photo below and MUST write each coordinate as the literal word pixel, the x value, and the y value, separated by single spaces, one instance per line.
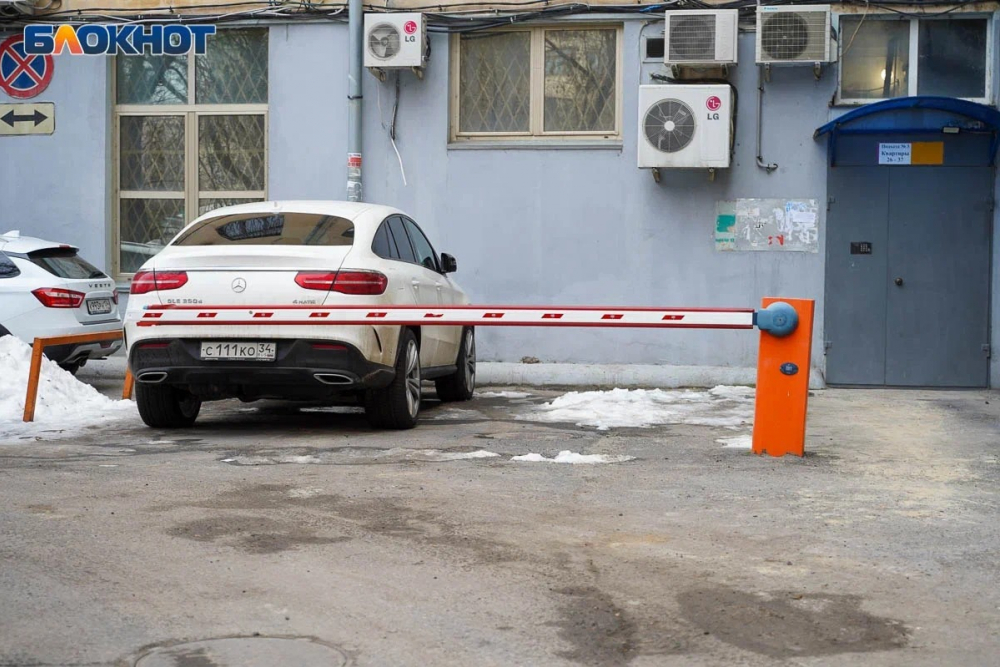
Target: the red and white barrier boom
pixel 497 316
pixel 782 363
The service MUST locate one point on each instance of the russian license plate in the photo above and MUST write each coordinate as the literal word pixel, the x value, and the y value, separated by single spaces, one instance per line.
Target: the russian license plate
pixel 237 351
pixel 98 306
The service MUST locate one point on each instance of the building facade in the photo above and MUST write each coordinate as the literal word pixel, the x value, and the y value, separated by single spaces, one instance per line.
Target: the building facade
pixel 517 150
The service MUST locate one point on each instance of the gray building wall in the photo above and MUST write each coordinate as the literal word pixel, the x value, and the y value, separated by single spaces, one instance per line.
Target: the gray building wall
pixel 57 187
pixel 529 226
pixel 562 226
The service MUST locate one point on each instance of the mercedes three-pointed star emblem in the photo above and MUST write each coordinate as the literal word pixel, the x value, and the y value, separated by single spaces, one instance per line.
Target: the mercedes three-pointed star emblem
pixel 239 285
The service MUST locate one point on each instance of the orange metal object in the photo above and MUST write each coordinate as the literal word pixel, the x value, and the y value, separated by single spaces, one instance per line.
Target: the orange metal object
pixel 129 385
pixel 779 425
pixel 36 361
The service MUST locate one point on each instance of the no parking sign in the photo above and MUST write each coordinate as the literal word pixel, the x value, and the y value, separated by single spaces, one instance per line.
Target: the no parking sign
pixel 23 76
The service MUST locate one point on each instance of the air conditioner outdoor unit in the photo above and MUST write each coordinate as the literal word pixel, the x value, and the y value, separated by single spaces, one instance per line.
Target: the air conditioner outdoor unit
pixel 700 37
pixel 791 35
pixel 394 40
pixel 685 126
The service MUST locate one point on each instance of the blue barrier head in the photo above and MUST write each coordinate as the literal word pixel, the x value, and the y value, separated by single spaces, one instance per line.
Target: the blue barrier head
pixel 779 319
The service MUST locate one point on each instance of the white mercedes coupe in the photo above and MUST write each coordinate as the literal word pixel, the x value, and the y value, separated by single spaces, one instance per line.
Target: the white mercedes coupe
pixel 244 268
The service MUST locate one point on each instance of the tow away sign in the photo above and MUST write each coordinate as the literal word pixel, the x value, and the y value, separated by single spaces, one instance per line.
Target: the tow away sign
pixel 23 119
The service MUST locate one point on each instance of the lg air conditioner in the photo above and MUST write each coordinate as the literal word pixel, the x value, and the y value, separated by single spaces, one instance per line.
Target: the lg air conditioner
pixel 395 40
pixel 685 126
pixel 794 35
pixel 694 37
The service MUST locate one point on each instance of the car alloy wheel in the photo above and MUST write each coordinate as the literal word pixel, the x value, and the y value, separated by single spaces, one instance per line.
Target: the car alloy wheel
pixel 412 378
pixel 470 362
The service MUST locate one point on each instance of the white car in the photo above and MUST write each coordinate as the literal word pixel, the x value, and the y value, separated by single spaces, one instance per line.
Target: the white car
pixel 47 289
pixel 234 263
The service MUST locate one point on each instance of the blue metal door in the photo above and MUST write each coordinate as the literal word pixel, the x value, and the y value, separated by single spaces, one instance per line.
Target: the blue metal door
pixel 907 275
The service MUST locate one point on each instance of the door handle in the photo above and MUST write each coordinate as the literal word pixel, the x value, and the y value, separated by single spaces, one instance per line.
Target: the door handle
pixel 415 283
pixel 899 282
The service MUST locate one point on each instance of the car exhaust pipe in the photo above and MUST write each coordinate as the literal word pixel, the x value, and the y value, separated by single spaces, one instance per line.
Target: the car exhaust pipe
pixel 153 377
pixel 334 378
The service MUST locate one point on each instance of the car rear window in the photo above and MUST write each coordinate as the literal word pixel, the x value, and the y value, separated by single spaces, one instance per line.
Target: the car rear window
pixel 276 229
pixel 7 268
pixel 65 263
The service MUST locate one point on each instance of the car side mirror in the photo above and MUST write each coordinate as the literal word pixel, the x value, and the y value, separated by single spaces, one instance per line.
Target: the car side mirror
pixel 448 263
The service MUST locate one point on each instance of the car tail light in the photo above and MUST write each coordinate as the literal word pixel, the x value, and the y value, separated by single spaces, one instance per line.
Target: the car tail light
pixel 318 280
pixel 152 281
pixel 114 296
pixel 155 345
pixel 54 297
pixel 328 346
pixel 360 282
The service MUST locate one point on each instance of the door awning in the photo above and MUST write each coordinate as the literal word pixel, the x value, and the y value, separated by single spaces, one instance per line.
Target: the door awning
pixel 914 115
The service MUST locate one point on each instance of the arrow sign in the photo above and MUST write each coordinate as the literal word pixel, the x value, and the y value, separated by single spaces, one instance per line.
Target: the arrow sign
pixel 11 117
pixel 26 119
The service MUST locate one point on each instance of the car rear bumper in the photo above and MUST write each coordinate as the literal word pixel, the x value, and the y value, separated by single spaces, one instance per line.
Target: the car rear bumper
pixel 302 370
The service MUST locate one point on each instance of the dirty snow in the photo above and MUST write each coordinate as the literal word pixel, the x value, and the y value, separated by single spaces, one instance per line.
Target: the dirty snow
pixel 502 394
pixel 721 406
pixel 737 442
pixel 64 403
pixel 567 456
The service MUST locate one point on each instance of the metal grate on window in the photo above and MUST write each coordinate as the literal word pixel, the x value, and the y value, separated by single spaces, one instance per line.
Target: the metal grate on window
pixel 494 82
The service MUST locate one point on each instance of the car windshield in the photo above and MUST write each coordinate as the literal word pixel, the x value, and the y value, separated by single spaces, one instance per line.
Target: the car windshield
pixel 65 263
pixel 310 229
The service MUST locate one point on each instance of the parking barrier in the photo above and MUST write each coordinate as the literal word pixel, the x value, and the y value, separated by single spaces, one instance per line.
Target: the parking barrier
pixel 38 347
pixel 782 365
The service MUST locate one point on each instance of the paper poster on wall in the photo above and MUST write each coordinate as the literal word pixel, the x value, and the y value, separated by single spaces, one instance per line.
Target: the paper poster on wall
pixel 725 225
pixel 769 225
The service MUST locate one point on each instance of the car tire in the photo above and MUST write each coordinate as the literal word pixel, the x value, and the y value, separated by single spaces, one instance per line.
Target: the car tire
pixel 162 406
pixel 397 406
pixel 461 385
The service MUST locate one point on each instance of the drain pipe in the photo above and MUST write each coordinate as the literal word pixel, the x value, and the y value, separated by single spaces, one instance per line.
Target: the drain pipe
pixel 355 26
pixel 760 121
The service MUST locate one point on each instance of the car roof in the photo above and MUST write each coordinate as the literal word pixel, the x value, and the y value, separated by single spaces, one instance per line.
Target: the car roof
pixel 12 241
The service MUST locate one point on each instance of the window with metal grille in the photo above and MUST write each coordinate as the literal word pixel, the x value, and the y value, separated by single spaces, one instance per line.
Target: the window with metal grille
pixel 537 83
pixel 191 136
pixel 885 56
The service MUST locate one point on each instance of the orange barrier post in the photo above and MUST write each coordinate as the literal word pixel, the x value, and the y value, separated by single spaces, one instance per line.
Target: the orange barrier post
pixel 38 347
pixel 783 362
pixel 129 385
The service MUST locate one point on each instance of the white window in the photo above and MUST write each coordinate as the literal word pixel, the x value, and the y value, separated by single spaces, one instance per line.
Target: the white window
pixel 883 57
pixel 537 83
pixel 190 136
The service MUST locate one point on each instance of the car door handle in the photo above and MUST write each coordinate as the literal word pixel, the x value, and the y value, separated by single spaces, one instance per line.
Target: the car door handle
pixel 415 283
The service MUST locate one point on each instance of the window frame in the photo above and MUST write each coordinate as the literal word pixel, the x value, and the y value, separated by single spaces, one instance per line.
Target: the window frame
pixel 536 92
pixel 190 112
pixel 913 75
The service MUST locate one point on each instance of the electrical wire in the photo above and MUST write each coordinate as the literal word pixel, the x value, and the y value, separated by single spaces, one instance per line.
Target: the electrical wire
pixel 392 131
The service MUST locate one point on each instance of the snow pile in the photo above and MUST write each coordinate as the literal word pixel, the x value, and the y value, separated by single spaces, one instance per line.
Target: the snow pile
pixel 736 442
pixel 721 406
pixel 64 403
pixel 567 456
